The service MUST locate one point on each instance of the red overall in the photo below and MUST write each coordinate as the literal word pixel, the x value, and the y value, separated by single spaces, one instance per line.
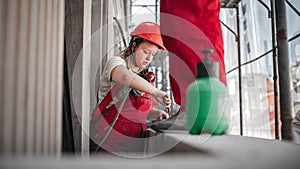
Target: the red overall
pixel 129 128
pixel 185 33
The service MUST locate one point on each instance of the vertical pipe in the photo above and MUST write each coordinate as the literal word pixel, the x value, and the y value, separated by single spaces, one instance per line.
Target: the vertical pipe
pixel 59 75
pixel 240 71
pixel 156 81
pixel 86 79
pixel 131 4
pixel 274 69
pixel 284 72
pixel 156 11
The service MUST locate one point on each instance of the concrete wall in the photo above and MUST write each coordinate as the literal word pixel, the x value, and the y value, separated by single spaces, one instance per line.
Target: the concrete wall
pixel 90 37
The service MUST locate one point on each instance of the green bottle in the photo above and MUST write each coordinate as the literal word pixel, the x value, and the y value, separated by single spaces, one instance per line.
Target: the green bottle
pixel 207 99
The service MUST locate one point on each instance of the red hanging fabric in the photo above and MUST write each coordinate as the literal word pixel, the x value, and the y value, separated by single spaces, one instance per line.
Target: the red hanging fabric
pixel 188 27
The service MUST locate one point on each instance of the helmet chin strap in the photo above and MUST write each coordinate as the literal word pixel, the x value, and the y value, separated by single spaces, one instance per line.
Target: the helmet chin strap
pixel 134 60
pixel 133 56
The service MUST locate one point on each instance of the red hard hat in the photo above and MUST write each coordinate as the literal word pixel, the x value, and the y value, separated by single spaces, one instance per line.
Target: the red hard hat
pixel 149 31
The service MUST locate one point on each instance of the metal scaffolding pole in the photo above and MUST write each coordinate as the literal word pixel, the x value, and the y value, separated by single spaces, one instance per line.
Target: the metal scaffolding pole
pixel 275 72
pixel 240 71
pixel 156 11
pixel 286 108
pixel 271 14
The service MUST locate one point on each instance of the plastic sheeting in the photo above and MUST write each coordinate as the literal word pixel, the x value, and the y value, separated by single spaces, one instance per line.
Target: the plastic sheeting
pixel 257 77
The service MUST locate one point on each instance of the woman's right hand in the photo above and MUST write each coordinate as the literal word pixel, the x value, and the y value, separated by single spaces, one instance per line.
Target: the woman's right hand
pixel 163 98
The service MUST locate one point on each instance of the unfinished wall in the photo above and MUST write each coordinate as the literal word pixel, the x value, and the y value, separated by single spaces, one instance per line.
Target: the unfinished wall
pixel 91 36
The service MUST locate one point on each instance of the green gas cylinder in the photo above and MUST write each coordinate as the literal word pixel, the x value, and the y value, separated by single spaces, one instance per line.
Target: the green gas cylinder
pixel 207 99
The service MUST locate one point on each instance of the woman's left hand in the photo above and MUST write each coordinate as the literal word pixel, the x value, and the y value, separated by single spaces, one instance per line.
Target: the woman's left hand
pixel 156 114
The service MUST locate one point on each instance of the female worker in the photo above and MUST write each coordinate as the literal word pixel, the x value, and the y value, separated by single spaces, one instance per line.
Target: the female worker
pixel 131 71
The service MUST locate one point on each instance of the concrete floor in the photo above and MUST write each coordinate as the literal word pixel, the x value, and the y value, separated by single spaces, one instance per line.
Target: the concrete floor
pixel 183 151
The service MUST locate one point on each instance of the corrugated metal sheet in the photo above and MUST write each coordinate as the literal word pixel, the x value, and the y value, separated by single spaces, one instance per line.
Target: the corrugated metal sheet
pixel 31 76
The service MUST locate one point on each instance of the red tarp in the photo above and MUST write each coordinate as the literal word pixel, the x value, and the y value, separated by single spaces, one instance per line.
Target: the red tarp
pixel 188 27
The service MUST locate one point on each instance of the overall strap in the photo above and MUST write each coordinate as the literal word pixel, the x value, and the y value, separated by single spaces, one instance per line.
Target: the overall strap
pixel 101 107
pixel 108 98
